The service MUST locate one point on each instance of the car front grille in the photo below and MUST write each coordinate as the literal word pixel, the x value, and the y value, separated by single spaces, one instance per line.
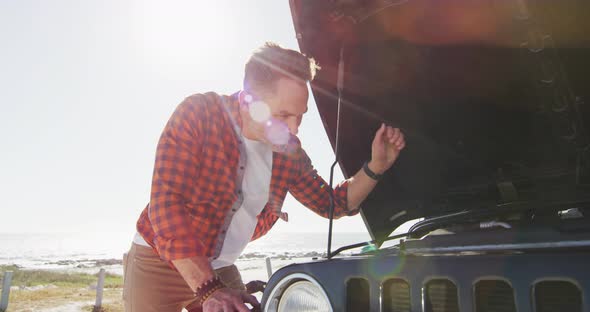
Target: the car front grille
pixel 396 296
pixel 440 295
pixel 557 296
pixel 358 296
pixel 494 296
pixel 490 295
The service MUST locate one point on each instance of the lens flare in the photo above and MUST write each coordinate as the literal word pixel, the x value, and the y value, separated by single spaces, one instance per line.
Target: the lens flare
pixel 378 269
pixel 276 132
pixel 259 111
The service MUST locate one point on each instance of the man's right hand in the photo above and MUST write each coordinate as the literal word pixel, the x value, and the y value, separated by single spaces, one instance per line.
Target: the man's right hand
pixel 229 300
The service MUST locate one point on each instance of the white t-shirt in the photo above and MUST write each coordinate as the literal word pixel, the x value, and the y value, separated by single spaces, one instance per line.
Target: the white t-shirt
pixel 255 189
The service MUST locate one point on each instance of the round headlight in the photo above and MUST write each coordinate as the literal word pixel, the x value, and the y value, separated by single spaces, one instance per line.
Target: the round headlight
pixel 303 296
pixel 298 292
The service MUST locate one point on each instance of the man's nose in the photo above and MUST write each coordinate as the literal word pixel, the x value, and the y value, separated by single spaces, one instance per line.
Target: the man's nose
pixel 293 126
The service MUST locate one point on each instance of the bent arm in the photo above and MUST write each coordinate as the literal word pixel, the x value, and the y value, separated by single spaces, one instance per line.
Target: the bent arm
pixel 312 191
pixel 174 179
pixel 195 270
pixel 359 187
pixel 386 147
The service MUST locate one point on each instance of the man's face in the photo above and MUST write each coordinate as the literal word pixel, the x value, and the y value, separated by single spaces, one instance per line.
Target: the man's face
pixel 288 103
pixel 276 115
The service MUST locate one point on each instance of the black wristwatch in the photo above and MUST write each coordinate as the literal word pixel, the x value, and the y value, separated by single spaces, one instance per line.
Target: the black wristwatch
pixel 370 173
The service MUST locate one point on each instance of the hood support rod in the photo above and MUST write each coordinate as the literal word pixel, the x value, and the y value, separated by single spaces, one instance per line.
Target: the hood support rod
pixel 339 86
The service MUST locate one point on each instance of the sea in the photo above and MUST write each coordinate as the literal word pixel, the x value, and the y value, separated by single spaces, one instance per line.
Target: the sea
pixel 90 252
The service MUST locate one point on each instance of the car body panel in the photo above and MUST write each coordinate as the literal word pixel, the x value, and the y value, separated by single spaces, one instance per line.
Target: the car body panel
pixel 494 104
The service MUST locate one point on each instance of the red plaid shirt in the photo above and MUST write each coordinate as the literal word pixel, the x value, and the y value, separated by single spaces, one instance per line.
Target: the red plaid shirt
pixel 195 187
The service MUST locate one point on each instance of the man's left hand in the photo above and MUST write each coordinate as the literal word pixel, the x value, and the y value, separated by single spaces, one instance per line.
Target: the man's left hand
pixel 387 145
pixel 255 286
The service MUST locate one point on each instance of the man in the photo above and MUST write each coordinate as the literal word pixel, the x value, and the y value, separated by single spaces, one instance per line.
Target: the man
pixel 223 167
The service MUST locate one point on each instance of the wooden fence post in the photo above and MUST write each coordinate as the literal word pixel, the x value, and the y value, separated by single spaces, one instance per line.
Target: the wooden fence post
pixel 268 267
pixel 5 290
pixel 99 288
pixel 124 266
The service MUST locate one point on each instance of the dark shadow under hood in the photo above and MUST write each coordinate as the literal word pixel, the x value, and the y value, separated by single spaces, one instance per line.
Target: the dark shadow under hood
pixel 492 96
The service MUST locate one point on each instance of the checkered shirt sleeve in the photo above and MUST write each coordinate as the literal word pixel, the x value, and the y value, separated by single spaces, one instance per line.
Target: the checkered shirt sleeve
pixel 311 190
pixel 174 177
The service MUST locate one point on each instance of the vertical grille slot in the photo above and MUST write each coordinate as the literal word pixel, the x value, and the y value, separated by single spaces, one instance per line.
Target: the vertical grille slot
pixel 440 295
pixel 357 295
pixel 494 296
pixel 396 296
pixel 558 296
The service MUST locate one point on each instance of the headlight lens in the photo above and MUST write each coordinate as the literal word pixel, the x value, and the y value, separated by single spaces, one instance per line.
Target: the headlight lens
pixel 303 296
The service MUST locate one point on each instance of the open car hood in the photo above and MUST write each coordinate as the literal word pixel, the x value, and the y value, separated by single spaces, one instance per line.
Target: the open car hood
pixel 492 96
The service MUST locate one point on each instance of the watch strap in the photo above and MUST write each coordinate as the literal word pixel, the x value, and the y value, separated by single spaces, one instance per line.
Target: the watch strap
pixel 370 173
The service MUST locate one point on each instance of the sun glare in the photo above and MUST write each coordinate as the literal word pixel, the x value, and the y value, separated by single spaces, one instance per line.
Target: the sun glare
pixel 186 33
pixel 259 111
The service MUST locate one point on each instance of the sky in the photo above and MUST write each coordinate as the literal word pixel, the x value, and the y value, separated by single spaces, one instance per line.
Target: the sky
pixel 86 88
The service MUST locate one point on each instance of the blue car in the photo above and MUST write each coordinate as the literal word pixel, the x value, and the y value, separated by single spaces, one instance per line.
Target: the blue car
pixel 493 97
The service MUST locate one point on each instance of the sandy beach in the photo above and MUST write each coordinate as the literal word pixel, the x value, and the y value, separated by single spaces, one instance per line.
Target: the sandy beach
pixel 74 289
pixel 58 272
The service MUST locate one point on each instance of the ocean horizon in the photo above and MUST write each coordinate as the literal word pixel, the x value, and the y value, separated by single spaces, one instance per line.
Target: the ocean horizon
pixel 90 251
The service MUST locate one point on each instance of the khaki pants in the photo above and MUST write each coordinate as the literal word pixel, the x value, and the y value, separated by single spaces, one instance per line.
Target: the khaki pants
pixel 150 284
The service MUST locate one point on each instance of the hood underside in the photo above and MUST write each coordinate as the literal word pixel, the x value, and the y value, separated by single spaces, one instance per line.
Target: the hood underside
pixel 492 97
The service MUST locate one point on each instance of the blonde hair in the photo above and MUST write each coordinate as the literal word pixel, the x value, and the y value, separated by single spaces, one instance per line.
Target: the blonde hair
pixel 271 62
